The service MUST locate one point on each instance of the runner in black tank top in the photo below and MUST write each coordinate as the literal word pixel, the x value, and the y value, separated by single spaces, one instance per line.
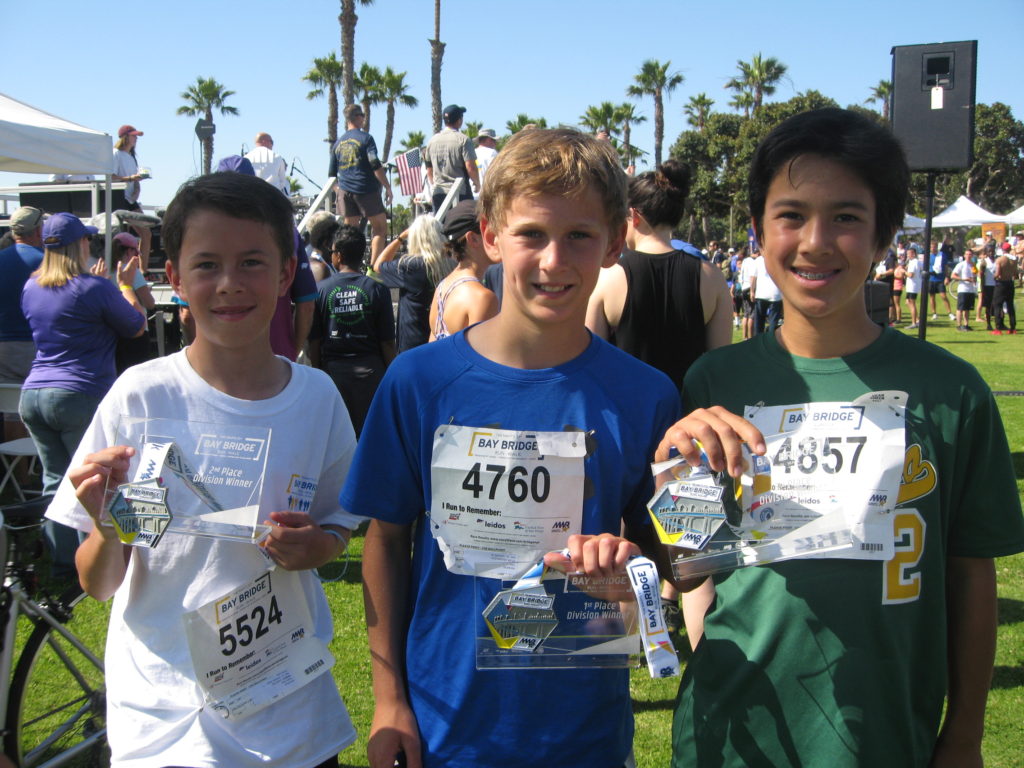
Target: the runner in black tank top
pixel 662 321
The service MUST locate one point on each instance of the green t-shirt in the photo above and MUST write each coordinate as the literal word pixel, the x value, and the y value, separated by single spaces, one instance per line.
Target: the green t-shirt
pixel 843 662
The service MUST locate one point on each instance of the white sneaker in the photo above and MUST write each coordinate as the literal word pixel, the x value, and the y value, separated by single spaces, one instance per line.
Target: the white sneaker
pixel 952 317
pixel 935 317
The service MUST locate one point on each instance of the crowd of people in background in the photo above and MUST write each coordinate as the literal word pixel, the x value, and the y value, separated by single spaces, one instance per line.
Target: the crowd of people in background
pixel 343 299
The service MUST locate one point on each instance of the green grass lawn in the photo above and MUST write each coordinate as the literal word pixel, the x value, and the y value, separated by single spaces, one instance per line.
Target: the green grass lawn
pixel 999 359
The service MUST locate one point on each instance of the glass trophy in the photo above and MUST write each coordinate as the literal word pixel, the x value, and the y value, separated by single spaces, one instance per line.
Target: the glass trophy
pixel 549 619
pixel 826 487
pixel 189 478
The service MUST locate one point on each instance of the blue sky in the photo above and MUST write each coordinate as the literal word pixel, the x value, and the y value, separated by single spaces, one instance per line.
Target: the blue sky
pixel 102 64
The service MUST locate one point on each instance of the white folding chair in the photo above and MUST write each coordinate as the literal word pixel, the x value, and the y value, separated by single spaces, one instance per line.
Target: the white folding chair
pixel 13 451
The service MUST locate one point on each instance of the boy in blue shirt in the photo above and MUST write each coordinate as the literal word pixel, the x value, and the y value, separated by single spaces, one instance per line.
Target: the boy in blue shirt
pixel 496 445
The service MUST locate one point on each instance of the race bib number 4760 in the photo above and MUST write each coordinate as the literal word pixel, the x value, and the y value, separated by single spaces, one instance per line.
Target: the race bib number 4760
pixel 502 497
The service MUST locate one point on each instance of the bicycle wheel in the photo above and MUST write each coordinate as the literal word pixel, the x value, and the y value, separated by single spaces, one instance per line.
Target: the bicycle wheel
pixel 56 712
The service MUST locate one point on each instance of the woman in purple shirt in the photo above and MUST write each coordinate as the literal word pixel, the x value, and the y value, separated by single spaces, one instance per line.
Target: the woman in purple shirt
pixel 76 319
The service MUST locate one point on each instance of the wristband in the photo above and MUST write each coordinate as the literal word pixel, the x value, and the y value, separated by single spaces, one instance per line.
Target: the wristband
pixel 339 537
pixel 123 286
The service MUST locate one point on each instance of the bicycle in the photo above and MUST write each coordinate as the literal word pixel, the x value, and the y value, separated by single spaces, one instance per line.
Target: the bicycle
pixel 53 707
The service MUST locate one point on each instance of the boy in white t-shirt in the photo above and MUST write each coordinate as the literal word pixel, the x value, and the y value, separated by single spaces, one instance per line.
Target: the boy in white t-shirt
pixel 229 241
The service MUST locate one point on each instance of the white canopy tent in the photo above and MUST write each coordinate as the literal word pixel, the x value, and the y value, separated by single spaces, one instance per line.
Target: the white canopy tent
pixel 965 213
pixel 912 223
pixel 1015 217
pixel 33 141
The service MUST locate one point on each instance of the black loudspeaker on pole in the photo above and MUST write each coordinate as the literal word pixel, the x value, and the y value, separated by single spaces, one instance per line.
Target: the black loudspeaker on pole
pixel 932 114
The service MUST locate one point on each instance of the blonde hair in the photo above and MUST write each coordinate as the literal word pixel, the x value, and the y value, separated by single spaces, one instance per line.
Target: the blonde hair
pixel 60 265
pixel 558 161
pixel 426 241
pixel 122 144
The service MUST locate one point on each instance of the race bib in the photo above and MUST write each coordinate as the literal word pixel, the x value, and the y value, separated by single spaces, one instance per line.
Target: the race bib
pixel 827 461
pixel 255 645
pixel 501 498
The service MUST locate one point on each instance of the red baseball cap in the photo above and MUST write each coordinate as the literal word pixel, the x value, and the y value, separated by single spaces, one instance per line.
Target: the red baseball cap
pixel 127 130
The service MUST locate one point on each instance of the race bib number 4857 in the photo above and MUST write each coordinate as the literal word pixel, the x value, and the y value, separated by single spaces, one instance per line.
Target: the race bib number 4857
pixel 839 459
pixel 502 497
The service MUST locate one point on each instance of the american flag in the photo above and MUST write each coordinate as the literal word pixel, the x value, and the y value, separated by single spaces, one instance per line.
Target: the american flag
pixel 410 172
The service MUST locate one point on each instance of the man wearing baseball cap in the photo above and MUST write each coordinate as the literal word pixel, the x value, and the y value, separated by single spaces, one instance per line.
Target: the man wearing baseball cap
pixel 449 157
pixel 16 264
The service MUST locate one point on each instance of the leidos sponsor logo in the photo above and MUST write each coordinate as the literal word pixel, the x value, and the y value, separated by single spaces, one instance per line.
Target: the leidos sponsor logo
pixel 489 524
pixel 850 416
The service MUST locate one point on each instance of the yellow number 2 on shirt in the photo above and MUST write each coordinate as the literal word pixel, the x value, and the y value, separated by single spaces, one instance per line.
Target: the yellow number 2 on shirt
pixel 902 584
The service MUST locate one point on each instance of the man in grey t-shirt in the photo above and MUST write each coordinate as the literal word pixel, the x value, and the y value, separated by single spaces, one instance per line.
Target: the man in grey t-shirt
pixel 449 156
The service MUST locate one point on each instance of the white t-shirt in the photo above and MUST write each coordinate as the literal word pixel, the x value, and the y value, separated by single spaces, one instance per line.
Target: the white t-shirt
pixel 765 287
pixel 155 712
pixel 913 280
pixel 270 167
pixel 990 271
pixel 965 278
pixel 484 157
pixel 125 165
pixel 747 271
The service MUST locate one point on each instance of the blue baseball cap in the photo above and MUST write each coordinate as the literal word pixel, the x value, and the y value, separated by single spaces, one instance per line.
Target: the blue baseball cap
pixel 236 164
pixel 63 229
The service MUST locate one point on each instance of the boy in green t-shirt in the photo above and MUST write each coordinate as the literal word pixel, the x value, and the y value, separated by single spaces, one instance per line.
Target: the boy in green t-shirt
pixel 846 662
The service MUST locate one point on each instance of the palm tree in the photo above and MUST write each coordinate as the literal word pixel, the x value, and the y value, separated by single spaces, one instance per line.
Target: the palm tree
pixel 347 19
pixel 201 98
pixel 472 129
pixel 393 90
pixel 759 76
pixel 325 76
pixel 628 116
pixel 413 140
pixel 436 54
pixel 743 100
pixel 602 117
pixel 697 111
pixel 522 120
pixel 883 93
pixel 368 85
pixel 654 79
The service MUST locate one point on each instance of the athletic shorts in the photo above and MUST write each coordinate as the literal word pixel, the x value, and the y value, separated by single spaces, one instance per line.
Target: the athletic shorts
pixel 897 292
pixel 965 301
pixel 911 296
pixel 368 205
pixel 748 305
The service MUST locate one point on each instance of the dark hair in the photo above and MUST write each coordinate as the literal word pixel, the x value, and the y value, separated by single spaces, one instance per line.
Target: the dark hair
pixel 660 195
pixel 351 244
pixel 323 228
pixel 858 143
pixel 235 195
pixel 117 250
